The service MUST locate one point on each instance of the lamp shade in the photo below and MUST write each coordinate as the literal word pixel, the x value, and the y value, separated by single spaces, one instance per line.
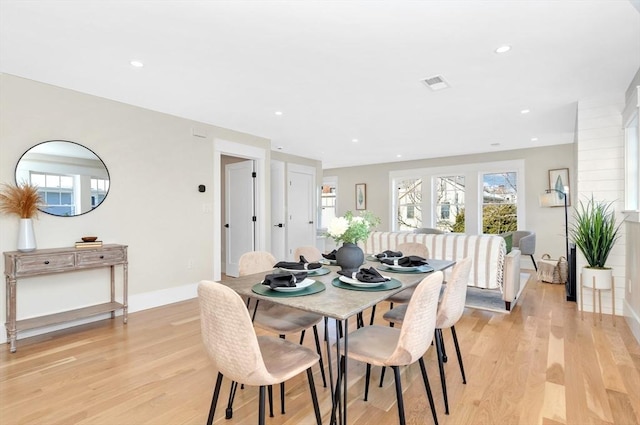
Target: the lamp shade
pixel 553 199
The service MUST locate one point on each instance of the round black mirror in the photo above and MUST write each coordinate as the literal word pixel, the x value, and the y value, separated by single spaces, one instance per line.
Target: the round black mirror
pixel 71 179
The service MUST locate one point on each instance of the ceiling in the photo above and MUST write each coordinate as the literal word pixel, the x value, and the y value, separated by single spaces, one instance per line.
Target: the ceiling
pixel 339 70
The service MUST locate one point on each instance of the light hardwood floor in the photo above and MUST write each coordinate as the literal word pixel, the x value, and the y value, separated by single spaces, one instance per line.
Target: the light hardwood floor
pixel 541 364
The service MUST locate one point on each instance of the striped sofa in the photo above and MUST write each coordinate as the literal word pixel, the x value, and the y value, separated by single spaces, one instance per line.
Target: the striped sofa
pixel 492 268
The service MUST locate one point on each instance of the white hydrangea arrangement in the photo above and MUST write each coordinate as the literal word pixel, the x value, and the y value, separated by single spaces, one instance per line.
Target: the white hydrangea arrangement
pixel 352 229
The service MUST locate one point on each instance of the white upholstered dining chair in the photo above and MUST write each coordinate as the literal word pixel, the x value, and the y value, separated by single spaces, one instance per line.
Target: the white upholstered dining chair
pixel 450 310
pixel 394 347
pixel 279 319
pixel 237 353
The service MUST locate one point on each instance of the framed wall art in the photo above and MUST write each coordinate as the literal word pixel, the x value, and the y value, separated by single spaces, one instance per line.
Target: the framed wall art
pixel 361 196
pixel 558 180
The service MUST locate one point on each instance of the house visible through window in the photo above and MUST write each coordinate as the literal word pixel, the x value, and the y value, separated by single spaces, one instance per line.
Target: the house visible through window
pixel 449 212
pixel 468 198
pixel 328 202
pixel 499 202
pixel 409 203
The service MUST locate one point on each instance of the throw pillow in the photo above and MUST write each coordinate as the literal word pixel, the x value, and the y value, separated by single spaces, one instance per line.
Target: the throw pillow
pixel 508 238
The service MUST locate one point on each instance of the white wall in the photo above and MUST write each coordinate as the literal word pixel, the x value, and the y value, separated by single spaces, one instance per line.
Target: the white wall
pixel 600 161
pixel 154 206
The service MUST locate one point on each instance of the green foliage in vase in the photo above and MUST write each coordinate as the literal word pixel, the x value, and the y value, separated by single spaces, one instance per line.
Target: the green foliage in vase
pixel 594 231
pixel 352 229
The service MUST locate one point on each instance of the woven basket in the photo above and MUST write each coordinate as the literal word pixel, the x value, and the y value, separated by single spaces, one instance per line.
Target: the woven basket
pixel 553 271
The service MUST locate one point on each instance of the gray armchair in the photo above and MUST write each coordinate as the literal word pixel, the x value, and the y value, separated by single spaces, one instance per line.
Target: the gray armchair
pixel 525 241
pixel 428 231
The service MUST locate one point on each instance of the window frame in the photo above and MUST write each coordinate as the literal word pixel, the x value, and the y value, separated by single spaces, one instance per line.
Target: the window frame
pixel 473 198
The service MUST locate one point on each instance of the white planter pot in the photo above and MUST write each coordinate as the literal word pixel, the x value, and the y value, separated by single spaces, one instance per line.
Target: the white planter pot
pixel 598 278
pixel 26 235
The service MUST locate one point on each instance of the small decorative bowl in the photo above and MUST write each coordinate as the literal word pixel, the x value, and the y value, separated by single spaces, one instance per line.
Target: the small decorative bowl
pixel 89 238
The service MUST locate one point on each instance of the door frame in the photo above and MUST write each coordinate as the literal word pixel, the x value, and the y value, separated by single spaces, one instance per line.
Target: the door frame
pixel 225 147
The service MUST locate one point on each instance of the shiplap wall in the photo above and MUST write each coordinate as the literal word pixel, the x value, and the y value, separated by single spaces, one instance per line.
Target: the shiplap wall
pixel 600 172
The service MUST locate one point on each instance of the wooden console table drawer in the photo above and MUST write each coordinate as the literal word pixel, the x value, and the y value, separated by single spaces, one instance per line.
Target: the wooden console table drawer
pixel 102 257
pixel 43 264
pixel 18 265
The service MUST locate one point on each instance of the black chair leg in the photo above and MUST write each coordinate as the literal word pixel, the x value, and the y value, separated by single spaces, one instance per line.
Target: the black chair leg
pixel 382 376
pixel 270 392
pixel 455 341
pixel 366 382
pixel 535 266
pixel 319 351
pixel 214 400
pixel 282 397
pixel 427 387
pixel 439 344
pixel 314 397
pixel 373 315
pixel 302 336
pixel 232 395
pixel 444 350
pixel 396 373
pixel 261 406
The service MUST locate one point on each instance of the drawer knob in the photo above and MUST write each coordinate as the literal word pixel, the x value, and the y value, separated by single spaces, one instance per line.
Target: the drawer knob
pixel 46 262
pixel 102 257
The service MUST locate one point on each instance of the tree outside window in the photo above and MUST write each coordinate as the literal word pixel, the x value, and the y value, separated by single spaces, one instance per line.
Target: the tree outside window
pixel 499 202
pixel 409 202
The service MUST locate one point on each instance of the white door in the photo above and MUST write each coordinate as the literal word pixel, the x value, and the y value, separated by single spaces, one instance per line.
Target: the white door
pixel 240 212
pixel 301 209
pixel 278 211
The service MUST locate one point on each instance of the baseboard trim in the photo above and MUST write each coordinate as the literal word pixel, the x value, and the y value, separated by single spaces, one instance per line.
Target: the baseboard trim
pixel 632 319
pixel 137 302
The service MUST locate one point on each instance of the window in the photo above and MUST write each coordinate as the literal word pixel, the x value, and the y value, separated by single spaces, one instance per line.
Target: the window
pixel 328 202
pixel 499 202
pixel 632 165
pixel 449 204
pixel 99 189
pixel 464 198
pixel 409 203
pixel 56 192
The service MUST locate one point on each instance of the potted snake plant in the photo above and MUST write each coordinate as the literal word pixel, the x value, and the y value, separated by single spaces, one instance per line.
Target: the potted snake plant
pixel 595 232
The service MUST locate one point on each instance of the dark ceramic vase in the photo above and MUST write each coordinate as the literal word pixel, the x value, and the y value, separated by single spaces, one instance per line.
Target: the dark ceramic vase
pixel 349 257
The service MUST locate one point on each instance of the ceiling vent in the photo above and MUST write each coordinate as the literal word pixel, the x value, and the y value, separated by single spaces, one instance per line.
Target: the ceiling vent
pixel 436 83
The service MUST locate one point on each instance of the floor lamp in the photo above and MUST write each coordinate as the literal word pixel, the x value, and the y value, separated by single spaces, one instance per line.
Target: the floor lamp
pixel 552 198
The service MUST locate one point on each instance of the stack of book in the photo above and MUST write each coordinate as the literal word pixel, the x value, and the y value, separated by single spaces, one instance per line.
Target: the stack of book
pixel 94 244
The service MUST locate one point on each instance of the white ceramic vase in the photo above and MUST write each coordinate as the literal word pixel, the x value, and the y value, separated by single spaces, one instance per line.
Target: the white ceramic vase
pixel 598 278
pixel 26 235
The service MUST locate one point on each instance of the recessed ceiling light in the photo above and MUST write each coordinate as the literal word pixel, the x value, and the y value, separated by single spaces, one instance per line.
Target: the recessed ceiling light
pixel 398 156
pixel 525 111
pixel 534 139
pixel 136 64
pixel 354 140
pixel 503 49
pixel 278 112
pixel 495 144
pixel 280 148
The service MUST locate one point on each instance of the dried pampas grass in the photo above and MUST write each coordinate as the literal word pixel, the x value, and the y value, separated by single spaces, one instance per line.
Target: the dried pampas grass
pixel 22 200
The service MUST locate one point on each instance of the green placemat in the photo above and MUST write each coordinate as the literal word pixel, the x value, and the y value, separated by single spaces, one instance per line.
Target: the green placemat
pixel 423 269
pixel 261 289
pixel 392 284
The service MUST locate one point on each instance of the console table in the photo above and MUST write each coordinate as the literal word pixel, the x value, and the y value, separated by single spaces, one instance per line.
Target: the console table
pixel 18 265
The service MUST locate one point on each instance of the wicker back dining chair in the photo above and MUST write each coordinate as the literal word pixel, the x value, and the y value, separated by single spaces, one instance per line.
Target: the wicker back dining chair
pixel 237 353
